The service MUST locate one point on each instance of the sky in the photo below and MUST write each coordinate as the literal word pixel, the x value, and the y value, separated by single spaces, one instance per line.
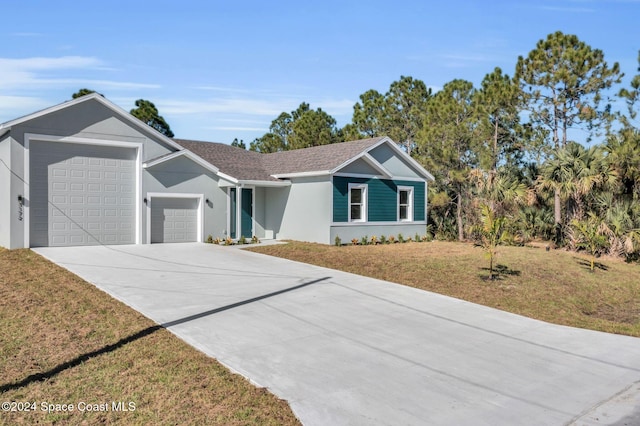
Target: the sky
pixel 218 70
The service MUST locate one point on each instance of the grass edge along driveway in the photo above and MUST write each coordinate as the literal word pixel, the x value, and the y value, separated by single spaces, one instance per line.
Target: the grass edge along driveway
pixel 64 342
pixel 554 286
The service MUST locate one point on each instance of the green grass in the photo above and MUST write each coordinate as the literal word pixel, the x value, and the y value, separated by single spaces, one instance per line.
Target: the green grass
pixel 65 342
pixel 555 286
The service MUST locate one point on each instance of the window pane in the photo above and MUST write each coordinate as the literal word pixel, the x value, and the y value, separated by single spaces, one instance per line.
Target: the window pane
pixel 356 195
pixel 356 212
pixel 404 197
pixel 403 213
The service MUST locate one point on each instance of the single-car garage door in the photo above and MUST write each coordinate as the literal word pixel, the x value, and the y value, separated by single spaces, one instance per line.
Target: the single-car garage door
pixel 174 220
pixel 81 194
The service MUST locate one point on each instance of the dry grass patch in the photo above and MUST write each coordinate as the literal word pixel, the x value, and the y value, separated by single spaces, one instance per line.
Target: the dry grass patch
pixel 554 286
pixel 65 342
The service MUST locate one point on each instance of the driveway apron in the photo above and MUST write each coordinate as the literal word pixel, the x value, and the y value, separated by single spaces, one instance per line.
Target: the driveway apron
pixel 346 349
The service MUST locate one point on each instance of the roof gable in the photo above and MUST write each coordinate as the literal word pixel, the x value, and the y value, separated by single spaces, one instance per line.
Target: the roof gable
pixel 323 159
pixel 399 163
pixel 237 163
pixel 182 153
pixel 252 166
pixel 94 97
pixel 359 166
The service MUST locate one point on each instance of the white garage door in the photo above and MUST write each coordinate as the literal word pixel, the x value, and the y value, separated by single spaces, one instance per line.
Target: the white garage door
pixel 174 220
pixel 81 194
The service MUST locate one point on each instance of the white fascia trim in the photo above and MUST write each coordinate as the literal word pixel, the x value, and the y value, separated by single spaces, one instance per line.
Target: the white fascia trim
pixel 200 213
pixel 410 179
pixel 29 137
pixel 395 223
pixel 227 178
pixel 369 160
pixel 263 183
pixel 190 155
pixel 80 140
pixel 357 175
pixel 161 160
pixel 46 111
pixel 302 174
pixel 97 97
pixel 406 156
pixel 375 164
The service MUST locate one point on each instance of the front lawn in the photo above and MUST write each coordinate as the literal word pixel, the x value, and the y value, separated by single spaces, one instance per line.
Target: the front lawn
pixel 555 286
pixel 63 342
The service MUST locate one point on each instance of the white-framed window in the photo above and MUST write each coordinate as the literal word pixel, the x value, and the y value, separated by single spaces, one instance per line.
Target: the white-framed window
pixel 357 202
pixel 405 203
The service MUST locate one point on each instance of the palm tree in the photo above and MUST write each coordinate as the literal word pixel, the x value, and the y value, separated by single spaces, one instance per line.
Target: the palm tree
pixel 623 156
pixel 492 233
pixel 574 172
pixel 590 234
pixel 621 224
pixel 501 191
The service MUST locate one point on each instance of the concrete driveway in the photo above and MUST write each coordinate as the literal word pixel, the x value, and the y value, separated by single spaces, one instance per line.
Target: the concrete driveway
pixel 344 349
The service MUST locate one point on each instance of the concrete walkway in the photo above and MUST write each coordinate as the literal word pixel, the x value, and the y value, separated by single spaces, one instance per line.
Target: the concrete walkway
pixel 344 349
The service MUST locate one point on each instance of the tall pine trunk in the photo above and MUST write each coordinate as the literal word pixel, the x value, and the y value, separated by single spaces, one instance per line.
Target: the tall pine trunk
pixel 459 217
pixel 557 217
pixel 557 209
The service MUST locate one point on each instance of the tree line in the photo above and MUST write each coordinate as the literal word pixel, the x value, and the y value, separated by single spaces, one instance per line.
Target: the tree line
pixel 145 111
pixel 506 149
pixel 502 153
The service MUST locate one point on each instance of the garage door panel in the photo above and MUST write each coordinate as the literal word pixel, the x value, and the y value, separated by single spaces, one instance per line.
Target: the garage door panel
pixel 70 203
pixel 174 220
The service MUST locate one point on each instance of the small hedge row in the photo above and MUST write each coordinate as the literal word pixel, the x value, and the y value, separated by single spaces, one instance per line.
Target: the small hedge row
pixel 391 239
pixel 230 241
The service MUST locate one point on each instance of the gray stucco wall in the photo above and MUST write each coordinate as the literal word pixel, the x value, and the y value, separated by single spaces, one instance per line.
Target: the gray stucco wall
pixel 347 232
pixel 392 162
pixel 275 204
pixel 359 167
pixel 16 186
pixel 307 213
pixel 259 213
pixel 5 191
pixel 182 175
pixel 92 120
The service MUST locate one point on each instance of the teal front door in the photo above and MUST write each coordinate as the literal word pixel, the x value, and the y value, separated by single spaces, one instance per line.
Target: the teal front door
pixel 246 215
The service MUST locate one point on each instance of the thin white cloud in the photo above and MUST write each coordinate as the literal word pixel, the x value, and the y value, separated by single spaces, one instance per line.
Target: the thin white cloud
pixel 270 108
pixel 102 84
pixel 227 106
pixel 238 129
pixel 24 73
pixel 240 121
pixel 11 104
pixel 26 34
pixel 334 106
pixel 41 63
pixel 12 107
pixel 468 57
pixel 463 59
pixel 27 73
pixel 567 9
pixel 222 89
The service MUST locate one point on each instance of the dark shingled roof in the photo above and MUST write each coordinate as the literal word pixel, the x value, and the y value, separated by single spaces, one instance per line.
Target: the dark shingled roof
pixel 247 165
pixel 235 162
pixel 317 158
